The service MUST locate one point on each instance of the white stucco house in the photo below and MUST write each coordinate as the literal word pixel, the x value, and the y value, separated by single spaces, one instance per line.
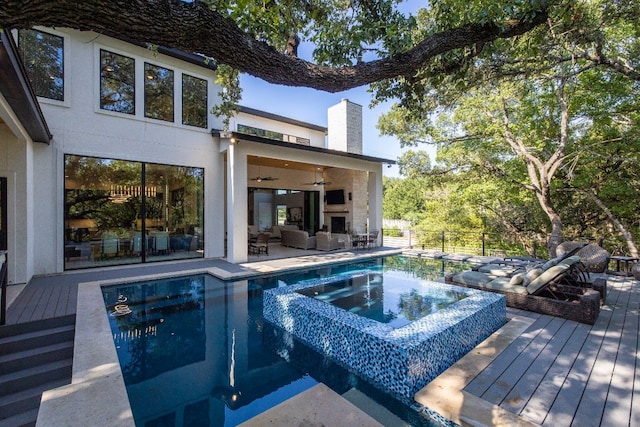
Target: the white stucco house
pixel 110 155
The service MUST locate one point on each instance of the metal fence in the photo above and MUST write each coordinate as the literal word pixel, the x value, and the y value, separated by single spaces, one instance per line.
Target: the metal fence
pixel 487 244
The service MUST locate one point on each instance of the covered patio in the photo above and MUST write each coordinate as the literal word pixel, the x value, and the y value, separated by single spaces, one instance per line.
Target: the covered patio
pixel 271 183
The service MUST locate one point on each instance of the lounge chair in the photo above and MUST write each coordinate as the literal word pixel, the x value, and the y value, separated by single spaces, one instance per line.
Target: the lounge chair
pixel 552 291
pixel 512 266
pixel 595 258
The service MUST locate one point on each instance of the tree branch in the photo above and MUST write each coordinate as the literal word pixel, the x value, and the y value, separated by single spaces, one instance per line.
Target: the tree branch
pixel 194 27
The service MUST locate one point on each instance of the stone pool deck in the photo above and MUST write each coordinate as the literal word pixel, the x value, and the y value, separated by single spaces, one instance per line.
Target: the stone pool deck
pixel 546 371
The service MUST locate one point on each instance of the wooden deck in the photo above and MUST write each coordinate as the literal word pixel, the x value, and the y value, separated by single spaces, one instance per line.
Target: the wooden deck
pixel 556 373
pixel 56 295
pixel 563 373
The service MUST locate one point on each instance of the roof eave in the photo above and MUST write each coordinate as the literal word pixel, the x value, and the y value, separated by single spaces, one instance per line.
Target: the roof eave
pixel 252 138
pixel 15 88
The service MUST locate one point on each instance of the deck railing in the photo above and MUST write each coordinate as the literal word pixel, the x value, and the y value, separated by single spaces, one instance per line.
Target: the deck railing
pixel 485 244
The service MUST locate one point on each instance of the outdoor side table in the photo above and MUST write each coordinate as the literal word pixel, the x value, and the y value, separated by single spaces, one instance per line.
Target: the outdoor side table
pixel 628 264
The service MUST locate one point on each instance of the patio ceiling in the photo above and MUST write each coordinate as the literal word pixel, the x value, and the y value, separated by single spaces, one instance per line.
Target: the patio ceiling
pixel 282 164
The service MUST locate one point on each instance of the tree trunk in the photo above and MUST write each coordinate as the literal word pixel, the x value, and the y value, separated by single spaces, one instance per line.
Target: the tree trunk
pixel 557 228
pixel 633 249
pixel 542 172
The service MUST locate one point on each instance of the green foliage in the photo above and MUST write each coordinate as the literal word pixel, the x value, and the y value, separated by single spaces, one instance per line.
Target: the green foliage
pixel 392 232
pixel 228 79
pixel 498 124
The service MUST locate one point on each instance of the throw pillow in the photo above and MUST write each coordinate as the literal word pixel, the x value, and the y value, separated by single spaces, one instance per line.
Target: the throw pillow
pixel 517 279
pixel 531 276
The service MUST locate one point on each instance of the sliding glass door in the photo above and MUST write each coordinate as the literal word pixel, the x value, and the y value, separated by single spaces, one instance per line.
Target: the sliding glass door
pixel 122 212
pixel 296 208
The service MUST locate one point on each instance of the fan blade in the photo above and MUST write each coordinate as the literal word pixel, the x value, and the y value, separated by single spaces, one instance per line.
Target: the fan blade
pixel 317 183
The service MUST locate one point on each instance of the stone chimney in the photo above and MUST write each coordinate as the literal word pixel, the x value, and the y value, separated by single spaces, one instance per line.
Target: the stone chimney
pixel 345 127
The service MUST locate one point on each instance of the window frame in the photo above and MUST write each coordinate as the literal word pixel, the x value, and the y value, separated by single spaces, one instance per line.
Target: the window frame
pixel 206 100
pixel 100 82
pixel 145 85
pixel 63 61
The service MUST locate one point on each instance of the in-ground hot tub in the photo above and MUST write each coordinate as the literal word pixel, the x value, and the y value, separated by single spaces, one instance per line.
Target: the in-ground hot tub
pixel 398 359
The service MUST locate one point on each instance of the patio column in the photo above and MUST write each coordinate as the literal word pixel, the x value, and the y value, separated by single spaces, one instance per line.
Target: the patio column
pixel 236 204
pixel 375 200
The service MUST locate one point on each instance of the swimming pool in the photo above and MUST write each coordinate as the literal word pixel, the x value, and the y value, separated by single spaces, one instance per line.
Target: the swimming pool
pixel 196 350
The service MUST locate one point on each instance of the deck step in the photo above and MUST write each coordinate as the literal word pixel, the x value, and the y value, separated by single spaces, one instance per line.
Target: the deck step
pixel 24 419
pixel 35 356
pixel 37 325
pixel 29 399
pixel 29 377
pixel 29 340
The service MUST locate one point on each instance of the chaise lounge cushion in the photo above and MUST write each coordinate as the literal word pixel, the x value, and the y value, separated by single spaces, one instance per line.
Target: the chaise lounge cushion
pixel 503 284
pixel 472 278
pixel 498 270
pixel 543 279
pixel 552 262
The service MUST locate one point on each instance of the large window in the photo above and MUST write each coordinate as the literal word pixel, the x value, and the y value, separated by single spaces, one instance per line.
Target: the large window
pixel 250 130
pixel 121 212
pixel 43 58
pixel 158 92
pixel 117 82
pixel 194 101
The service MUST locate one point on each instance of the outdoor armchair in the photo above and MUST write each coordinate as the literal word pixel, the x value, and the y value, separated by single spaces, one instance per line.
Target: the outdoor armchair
pixel 324 242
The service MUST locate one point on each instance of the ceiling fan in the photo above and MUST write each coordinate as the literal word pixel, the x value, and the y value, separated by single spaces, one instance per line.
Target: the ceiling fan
pixel 263 178
pixel 316 182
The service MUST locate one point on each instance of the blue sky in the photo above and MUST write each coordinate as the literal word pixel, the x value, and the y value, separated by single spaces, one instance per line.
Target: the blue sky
pixel 311 105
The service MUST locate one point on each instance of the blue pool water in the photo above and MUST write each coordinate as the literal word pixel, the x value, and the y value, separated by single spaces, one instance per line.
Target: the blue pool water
pixel 197 351
pixel 384 297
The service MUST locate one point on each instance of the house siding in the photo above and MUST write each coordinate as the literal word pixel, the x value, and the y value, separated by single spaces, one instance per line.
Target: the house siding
pixel 80 127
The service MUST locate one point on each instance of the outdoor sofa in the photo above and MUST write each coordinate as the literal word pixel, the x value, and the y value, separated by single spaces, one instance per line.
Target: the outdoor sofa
pixel 298 239
pixel 557 289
